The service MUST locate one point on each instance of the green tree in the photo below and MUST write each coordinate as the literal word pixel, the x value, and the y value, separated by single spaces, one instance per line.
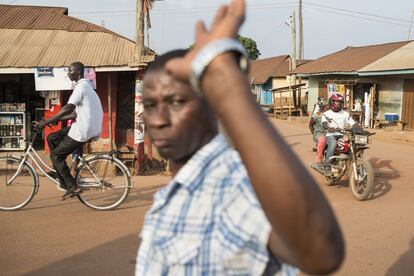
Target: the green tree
pixel 251 47
pixel 249 44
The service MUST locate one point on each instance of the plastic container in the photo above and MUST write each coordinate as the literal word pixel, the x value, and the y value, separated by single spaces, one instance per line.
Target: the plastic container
pixel 391 117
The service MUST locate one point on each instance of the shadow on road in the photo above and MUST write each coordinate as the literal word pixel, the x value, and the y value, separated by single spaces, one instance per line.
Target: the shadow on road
pixel 295 144
pixel 57 202
pixel 142 196
pixel 384 173
pixel 297 135
pixel 404 266
pixel 113 258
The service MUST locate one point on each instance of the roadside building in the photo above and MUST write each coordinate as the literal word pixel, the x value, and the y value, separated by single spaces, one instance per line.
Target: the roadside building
pixel 273 85
pixel 36 46
pixel 375 86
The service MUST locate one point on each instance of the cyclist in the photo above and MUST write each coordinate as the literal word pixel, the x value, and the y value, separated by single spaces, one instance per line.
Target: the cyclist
pixel 84 105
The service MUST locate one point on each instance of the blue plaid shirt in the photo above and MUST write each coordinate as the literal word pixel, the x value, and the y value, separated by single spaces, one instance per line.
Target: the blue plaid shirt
pixel 208 221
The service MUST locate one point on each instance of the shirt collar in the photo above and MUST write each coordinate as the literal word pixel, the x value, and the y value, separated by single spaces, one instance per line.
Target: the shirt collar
pixel 190 176
pixel 82 80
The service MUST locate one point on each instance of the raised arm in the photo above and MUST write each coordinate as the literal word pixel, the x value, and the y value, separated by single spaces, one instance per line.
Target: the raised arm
pixel 305 231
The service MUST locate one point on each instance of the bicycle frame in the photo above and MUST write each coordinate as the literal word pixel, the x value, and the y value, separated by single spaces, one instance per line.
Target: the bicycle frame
pixel 32 155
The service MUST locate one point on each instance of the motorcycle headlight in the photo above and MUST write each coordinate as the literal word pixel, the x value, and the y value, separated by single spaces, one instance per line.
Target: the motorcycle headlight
pixel 361 139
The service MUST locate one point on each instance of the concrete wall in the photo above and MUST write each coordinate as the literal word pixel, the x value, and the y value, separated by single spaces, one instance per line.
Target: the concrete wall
pixel 390 96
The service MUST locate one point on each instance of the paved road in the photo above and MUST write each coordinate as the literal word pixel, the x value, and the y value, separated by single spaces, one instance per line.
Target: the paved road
pixel 49 237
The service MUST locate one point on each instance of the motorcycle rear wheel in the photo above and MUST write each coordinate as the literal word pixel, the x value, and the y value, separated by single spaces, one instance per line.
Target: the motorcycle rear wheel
pixel 363 188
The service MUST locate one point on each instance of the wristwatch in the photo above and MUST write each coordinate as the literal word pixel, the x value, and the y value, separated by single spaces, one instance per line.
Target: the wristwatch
pixel 211 51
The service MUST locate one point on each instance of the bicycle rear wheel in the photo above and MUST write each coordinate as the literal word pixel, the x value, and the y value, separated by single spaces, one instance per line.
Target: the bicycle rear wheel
pixel 104 182
pixel 20 191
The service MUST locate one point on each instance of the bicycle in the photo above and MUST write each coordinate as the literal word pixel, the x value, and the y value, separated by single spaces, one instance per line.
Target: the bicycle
pixel 105 181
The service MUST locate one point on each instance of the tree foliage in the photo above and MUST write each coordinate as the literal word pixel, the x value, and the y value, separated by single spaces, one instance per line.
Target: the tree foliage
pixel 251 47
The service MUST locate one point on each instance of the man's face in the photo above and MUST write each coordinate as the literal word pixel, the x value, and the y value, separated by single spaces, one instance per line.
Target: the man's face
pixel 337 105
pixel 73 73
pixel 178 121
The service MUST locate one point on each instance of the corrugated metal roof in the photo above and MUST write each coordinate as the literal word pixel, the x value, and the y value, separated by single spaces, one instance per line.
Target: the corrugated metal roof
pixel 43 18
pixel 400 59
pixel 350 59
pixel 261 70
pixel 45 36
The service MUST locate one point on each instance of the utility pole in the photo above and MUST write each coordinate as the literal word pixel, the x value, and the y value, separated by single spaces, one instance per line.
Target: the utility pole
pixel 139 30
pixel 301 51
pixel 411 26
pixel 293 26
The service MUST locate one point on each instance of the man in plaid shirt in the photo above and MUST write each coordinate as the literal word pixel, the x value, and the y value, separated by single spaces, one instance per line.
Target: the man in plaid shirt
pixel 252 210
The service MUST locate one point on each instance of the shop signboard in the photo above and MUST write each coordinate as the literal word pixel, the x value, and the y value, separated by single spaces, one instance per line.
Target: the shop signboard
pixel 50 78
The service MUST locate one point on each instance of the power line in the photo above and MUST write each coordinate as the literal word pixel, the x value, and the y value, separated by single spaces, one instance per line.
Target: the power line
pixel 281 4
pixel 275 30
pixel 127 13
pixel 198 9
pixel 360 17
pixel 358 12
pixel 278 5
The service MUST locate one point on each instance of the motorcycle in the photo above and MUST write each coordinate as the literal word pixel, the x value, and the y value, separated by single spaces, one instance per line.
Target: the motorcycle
pixel 349 159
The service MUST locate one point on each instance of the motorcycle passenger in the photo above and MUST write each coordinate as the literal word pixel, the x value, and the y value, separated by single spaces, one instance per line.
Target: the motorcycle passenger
pixel 318 132
pixel 333 120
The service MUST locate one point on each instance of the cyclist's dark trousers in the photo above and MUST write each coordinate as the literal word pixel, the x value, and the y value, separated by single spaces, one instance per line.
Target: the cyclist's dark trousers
pixel 61 145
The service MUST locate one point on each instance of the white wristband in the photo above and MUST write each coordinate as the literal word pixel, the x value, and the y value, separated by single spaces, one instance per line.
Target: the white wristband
pixel 211 51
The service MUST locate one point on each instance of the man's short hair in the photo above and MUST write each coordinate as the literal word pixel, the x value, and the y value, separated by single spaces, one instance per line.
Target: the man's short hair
pixel 159 63
pixel 79 66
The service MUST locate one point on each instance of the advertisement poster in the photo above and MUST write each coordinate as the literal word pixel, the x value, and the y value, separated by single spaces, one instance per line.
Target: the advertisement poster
pixel 138 118
pixel 336 89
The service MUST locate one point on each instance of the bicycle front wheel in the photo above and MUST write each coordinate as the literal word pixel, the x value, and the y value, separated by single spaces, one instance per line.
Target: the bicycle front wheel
pixel 16 194
pixel 104 182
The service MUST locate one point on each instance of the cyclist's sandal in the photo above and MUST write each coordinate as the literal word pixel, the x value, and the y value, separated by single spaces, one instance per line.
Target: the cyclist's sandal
pixel 71 193
pixel 76 191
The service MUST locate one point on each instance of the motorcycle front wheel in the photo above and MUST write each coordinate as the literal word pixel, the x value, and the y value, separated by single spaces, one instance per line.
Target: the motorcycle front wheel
pixel 363 185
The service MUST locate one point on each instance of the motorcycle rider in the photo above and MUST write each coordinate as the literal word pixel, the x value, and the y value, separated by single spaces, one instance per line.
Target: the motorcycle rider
pixel 334 120
pixel 318 133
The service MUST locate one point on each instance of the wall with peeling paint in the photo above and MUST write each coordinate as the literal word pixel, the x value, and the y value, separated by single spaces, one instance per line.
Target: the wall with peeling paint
pixel 390 96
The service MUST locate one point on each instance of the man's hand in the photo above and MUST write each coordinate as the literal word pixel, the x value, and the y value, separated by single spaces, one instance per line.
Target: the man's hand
pixel 226 24
pixel 39 125
pixel 42 124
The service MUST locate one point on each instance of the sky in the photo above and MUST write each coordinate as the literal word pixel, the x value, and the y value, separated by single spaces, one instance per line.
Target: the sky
pixel 329 25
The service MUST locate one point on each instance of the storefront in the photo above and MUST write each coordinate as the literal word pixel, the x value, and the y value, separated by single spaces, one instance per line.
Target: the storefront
pixel 360 96
pixel 19 106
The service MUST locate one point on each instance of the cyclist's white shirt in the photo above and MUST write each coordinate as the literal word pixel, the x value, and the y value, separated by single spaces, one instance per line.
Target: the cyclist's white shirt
pixel 341 119
pixel 89 112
